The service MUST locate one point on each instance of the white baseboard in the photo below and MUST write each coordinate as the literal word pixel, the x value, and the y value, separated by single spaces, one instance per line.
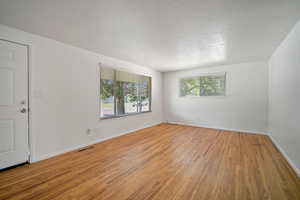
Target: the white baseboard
pixel 247 131
pixel 220 128
pixel 295 168
pixel 46 156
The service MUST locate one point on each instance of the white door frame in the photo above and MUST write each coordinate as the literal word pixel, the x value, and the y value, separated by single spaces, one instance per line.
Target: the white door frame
pixel 29 95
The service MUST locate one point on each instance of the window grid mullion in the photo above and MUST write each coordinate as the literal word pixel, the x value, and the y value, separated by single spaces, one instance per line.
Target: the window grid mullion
pixel 114 92
pixel 138 97
pixel 199 86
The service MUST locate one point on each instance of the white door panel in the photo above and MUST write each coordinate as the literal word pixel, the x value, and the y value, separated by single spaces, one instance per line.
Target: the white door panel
pixel 7 142
pixel 13 98
pixel 6 86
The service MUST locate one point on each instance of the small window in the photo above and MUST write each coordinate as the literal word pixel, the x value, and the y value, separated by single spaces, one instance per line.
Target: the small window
pixel 204 85
pixel 123 93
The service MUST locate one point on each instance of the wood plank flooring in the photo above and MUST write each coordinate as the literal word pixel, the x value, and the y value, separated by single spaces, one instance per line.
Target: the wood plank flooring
pixel 161 162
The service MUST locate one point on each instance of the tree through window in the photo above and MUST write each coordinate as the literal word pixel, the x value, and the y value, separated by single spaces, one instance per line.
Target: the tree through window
pixel 123 93
pixel 204 85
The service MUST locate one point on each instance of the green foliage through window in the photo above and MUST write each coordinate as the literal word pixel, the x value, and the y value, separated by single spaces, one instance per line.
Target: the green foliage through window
pixel 189 87
pixel 123 93
pixel 205 85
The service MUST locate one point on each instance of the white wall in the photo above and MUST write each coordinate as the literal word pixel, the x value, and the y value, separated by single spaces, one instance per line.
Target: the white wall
pixel 64 96
pixel 243 108
pixel 284 96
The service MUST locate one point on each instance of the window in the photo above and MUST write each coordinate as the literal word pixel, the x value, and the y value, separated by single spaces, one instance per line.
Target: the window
pixel 204 85
pixel 123 93
pixel 190 87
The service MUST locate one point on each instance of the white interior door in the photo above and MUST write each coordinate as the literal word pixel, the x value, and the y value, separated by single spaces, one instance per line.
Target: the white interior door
pixel 13 104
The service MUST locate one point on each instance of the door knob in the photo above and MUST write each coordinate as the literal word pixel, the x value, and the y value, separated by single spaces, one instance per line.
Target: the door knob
pixel 23 110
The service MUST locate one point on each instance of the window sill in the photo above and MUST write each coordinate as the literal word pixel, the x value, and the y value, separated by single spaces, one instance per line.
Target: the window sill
pixel 126 115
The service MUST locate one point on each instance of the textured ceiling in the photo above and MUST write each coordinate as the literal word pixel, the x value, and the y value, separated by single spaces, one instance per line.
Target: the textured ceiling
pixel 162 34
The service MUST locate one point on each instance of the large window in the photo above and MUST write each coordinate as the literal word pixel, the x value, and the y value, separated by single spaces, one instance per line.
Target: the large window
pixel 123 93
pixel 204 85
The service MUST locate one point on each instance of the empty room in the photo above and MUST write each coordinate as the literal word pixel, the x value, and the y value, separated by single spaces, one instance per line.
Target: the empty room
pixel 149 99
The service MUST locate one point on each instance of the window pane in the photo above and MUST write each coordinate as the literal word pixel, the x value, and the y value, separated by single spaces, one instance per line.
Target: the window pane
pixel 213 85
pixel 144 93
pixel 190 86
pixel 126 97
pixel 123 93
pixel 126 93
pixel 107 98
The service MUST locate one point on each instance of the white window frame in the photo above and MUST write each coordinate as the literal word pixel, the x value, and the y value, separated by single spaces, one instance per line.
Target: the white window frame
pixel 115 110
pixel 225 74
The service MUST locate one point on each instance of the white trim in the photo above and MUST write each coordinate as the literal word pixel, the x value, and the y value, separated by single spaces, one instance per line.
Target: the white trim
pixel 220 128
pixel 247 131
pixel 32 151
pixel 285 156
pixel 25 41
pixel 46 156
pixel 224 73
pixel 29 92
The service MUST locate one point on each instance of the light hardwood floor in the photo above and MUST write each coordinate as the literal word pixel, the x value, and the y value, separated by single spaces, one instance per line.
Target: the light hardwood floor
pixel 161 162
